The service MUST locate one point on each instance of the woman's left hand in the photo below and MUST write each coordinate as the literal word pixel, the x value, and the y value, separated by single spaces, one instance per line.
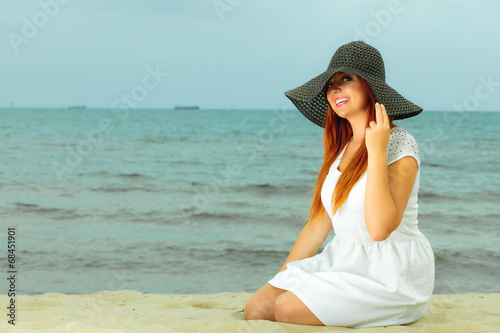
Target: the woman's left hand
pixel 378 132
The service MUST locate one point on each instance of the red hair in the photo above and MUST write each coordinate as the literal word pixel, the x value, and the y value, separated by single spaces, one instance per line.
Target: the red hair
pixel 337 133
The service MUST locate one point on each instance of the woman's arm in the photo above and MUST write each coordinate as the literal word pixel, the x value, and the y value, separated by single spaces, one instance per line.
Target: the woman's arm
pixel 310 239
pixel 388 188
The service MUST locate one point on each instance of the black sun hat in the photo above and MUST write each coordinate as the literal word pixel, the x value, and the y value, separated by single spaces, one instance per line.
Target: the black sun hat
pixel 356 58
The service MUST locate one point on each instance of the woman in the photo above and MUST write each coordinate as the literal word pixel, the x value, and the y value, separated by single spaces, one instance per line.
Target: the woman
pixel 378 270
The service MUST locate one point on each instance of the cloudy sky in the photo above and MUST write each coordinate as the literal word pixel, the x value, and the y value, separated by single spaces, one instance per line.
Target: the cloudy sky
pixel 240 53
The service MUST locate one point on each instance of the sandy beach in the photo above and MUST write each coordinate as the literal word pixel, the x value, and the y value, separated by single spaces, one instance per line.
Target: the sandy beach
pixel 132 311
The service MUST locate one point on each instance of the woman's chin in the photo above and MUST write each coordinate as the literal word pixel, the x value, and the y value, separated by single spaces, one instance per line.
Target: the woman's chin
pixel 341 113
pixel 347 112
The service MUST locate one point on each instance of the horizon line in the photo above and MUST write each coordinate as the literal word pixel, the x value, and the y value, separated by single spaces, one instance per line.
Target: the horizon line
pixel 200 108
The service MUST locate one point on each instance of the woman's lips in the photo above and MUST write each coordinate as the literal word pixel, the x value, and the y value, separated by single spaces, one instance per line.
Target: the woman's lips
pixel 341 101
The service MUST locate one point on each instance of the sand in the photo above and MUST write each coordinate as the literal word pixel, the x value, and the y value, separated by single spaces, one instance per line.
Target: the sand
pixel 131 311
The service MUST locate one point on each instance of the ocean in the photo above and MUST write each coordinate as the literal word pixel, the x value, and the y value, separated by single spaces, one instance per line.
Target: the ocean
pixel 209 201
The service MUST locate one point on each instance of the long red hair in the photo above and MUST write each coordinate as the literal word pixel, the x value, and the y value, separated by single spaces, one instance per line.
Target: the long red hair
pixel 337 133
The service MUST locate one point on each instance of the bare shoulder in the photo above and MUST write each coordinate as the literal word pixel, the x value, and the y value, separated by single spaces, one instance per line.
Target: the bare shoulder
pixel 404 168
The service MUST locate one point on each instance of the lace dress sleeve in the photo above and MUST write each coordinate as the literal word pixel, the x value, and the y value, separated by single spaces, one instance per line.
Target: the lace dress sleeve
pixel 402 144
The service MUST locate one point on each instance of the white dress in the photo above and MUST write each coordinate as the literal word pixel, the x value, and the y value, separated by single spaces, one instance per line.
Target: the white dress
pixel 355 281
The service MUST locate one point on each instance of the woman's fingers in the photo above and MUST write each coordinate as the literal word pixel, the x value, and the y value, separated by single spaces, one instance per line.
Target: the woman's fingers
pixel 381 114
pixel 377 134
pixel 378 113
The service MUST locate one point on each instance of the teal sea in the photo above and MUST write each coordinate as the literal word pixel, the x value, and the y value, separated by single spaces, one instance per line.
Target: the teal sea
pixel 209 201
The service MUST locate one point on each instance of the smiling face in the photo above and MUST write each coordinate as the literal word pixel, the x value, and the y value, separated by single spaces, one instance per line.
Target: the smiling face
pixel 346 96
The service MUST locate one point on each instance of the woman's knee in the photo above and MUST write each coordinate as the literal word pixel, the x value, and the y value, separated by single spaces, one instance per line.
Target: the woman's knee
pixel 288 308
pixel 256 309
pixel 261 304
pixel 282 310
pixel 252 311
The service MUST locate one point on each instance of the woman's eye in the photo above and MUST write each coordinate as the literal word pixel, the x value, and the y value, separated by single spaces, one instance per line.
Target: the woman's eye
pixel 344 79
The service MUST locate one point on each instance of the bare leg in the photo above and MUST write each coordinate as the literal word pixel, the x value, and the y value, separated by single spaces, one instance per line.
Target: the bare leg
pixel 288 308
pixel 261 304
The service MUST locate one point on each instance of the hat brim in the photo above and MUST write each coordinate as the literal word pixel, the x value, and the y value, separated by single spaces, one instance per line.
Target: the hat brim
pixel 309 99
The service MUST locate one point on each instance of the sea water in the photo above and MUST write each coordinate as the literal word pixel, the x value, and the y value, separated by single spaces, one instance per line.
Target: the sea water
pixel 208 201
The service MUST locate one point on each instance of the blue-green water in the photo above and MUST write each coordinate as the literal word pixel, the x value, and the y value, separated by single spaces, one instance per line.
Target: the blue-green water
pixel 207 201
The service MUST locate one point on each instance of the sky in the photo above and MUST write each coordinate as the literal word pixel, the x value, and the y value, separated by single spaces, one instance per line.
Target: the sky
pixel 441 55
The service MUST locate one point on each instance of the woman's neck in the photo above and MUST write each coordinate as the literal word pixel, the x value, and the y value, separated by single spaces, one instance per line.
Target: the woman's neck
pixel 358 132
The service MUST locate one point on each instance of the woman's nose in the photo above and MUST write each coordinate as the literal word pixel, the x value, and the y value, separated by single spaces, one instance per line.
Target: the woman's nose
pixel 335 87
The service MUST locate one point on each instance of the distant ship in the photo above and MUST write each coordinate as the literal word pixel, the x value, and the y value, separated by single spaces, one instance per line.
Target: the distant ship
pixel 77 107
pixel 195 107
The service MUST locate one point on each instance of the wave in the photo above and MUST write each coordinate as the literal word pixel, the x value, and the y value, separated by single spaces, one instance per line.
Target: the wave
pixel 106 174
pixel 94 174
pixel 218 249
pixel 268 189
pixel 476 197
pixel 259 252
pixel 190 163
pixel 466 271
pixel 220 217
pixel 223 185
pixel 119 188
pixel 134 175
pixel 437 165
pixel 155 140
pixel 434 196
pixel 464 257
pixel 166 139
pixel 183 216
pixel 492 196
pixel 58 213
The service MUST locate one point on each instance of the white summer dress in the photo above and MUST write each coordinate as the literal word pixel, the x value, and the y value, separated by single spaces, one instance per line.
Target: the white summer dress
pixel 355 281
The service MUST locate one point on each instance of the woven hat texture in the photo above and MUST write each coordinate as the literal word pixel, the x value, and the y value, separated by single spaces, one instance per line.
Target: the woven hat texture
pixel 356 58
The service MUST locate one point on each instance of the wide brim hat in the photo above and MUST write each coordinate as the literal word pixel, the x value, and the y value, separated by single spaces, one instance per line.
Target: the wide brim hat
pixel 356 58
